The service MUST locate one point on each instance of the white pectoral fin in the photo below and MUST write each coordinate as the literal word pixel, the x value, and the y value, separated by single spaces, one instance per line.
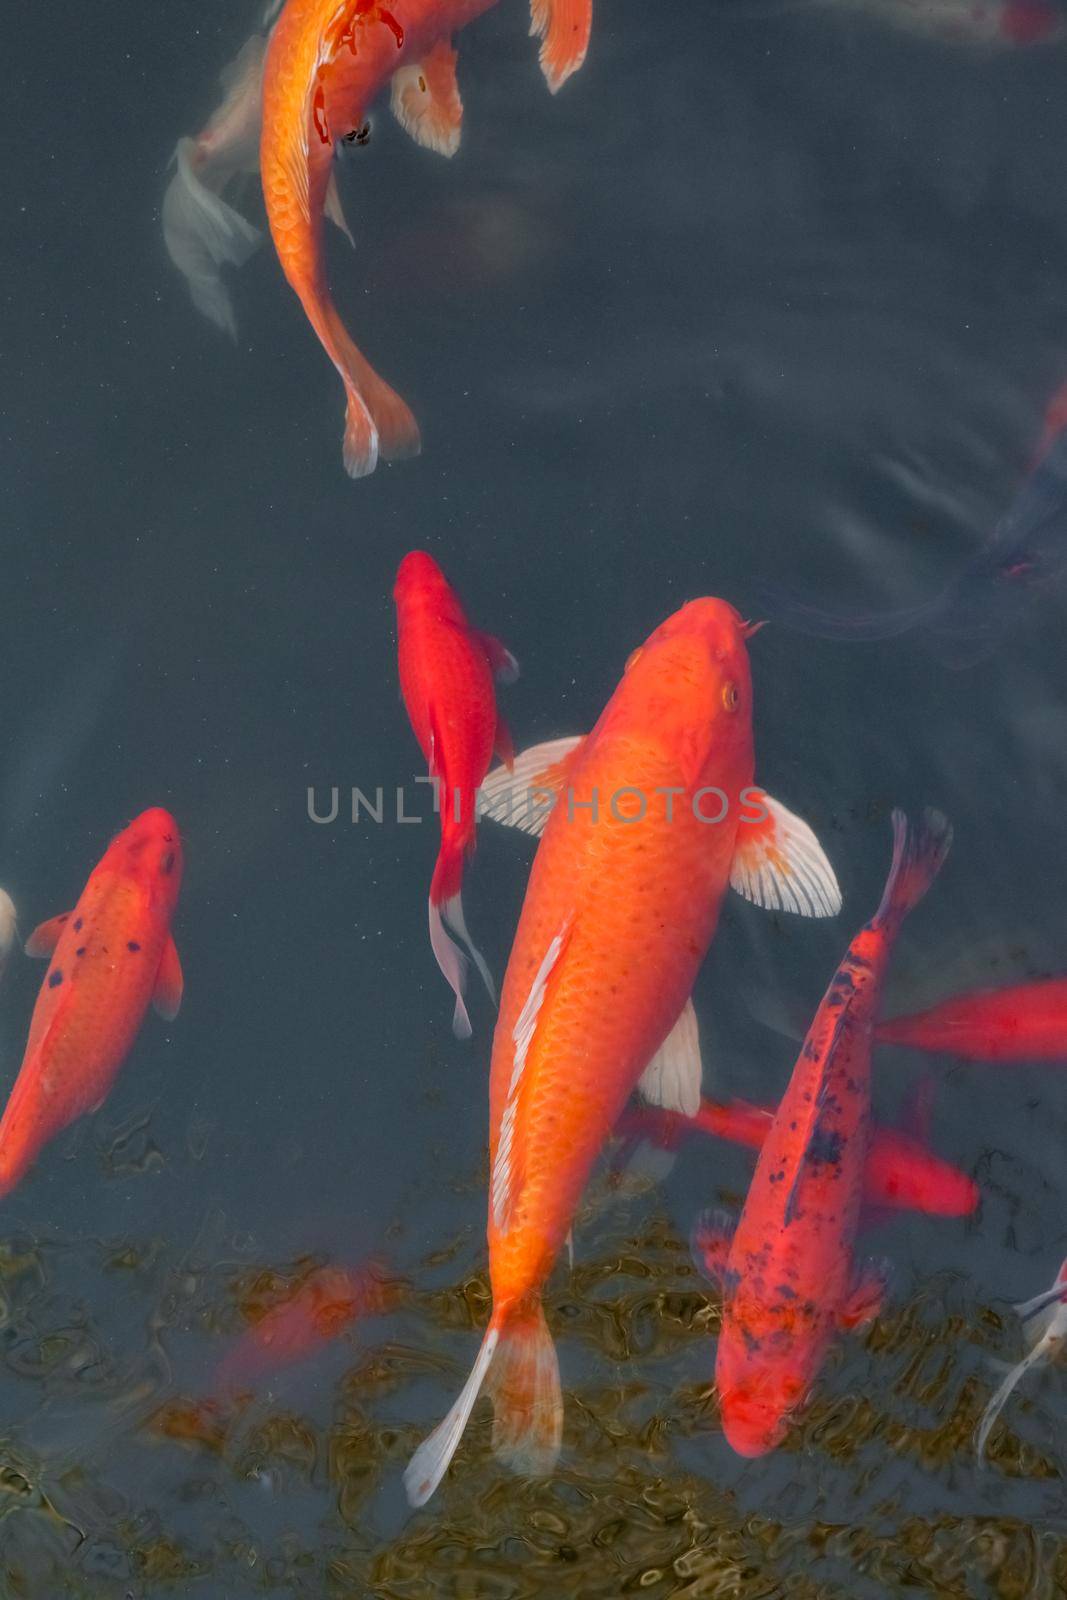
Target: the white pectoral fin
pixel 203 234
pixel 426 102
pixel 1036 1358
pixel 673 1077
pixel 523 796
pixel 780 864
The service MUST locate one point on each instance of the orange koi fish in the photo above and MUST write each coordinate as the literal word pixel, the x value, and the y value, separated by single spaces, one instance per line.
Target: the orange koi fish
pixel 324 65
pixel 901 1173
pixel 786 1274
pixel 623 900
pixel 446 679
pixel 318 1310
pixel 1022 1022
pixel 111 956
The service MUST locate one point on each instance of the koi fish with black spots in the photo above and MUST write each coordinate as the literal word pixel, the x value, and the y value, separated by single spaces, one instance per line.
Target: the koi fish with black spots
pixel 786 1273
pixel 111 957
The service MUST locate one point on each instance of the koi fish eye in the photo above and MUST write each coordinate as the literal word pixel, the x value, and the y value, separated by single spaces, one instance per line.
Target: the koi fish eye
pixel 731 695
pixel 633 658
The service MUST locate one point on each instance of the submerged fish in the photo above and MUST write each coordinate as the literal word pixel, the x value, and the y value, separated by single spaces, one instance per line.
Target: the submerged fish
pixel 1021 1022
pixel 1006 24
pixel 901 1172
pixel 111 956
pixel 446 678
pixel 1046 1320
pixel 319 1309
pixel 786 1274
pixel 324 65
pixel 1024 557
pixel 622 904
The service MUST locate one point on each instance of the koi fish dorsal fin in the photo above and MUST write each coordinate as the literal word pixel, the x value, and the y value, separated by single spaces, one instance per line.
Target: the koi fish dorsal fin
pixel 426 102
pixel 673 1077
pixel 43 940
pixel 523 795
pixel 563 26
pixel 167 995
pixel 779 864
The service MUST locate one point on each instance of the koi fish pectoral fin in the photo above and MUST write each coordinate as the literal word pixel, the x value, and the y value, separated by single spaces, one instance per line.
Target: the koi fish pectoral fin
pixel 780 864
pixel 523 795
pixel 504 665
pixel 563 26
pixel 43 940
pixel 867 1296
pixel 673 1077
pixel 334 209
pixel 426 102
pixel 709 1241
pixel 167 995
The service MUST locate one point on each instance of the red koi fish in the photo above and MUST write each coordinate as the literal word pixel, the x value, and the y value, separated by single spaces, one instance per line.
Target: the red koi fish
pixel 656 819
pixel 317 1311
pixel 326 62
pixel 1023 1022
pixel 446 679
pixel 901 1173
pixel 111 956
pixel 786 1274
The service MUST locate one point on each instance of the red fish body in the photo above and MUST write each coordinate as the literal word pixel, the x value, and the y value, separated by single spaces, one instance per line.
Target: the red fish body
pixel 786 1275
pixel 622 903
pixel 316 1312
pixel 112 956
pixel 446 679
pixel 900 1173
pixel 1022 1022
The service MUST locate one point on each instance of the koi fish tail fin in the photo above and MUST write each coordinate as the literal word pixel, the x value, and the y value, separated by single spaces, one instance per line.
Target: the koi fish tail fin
pixel 918 853
pixel 446 911
pixel 452 910
pixel 377 421
pixel 563 26
pixel 430 1462
pixel 1035 1358
pixel 523 1384
pixel 202 235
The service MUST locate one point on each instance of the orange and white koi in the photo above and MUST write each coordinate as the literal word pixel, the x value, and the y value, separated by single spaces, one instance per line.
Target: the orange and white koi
pixel 786 1273
pixel 622 903
pixel 112 956
pixel 324 65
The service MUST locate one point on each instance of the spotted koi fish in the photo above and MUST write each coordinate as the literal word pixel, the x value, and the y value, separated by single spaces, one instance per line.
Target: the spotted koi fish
pixel 786 1272
pixel 647 835
pixel 111 957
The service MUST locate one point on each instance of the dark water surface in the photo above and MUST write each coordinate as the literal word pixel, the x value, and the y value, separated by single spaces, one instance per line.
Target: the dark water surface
pixel 765 295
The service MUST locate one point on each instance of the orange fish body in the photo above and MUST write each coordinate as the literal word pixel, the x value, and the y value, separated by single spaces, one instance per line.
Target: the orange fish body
pixel 1022 1022
pixel 622 903
pixel 112 956
pixel 446 679
pixel 787 1274
pixel 326 63
pixel 317 1311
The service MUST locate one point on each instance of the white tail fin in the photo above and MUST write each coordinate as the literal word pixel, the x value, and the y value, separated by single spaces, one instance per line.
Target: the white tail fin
pixel 202 234
pixel 1037 1356
pixel 453 965
pixel 452 911
pixel 528 1405
pixel 430 1462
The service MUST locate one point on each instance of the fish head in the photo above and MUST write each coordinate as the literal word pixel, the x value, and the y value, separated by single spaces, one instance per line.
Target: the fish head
pixel 760 1386
pixel 151 849
pixel 418 574
pixel 692 681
